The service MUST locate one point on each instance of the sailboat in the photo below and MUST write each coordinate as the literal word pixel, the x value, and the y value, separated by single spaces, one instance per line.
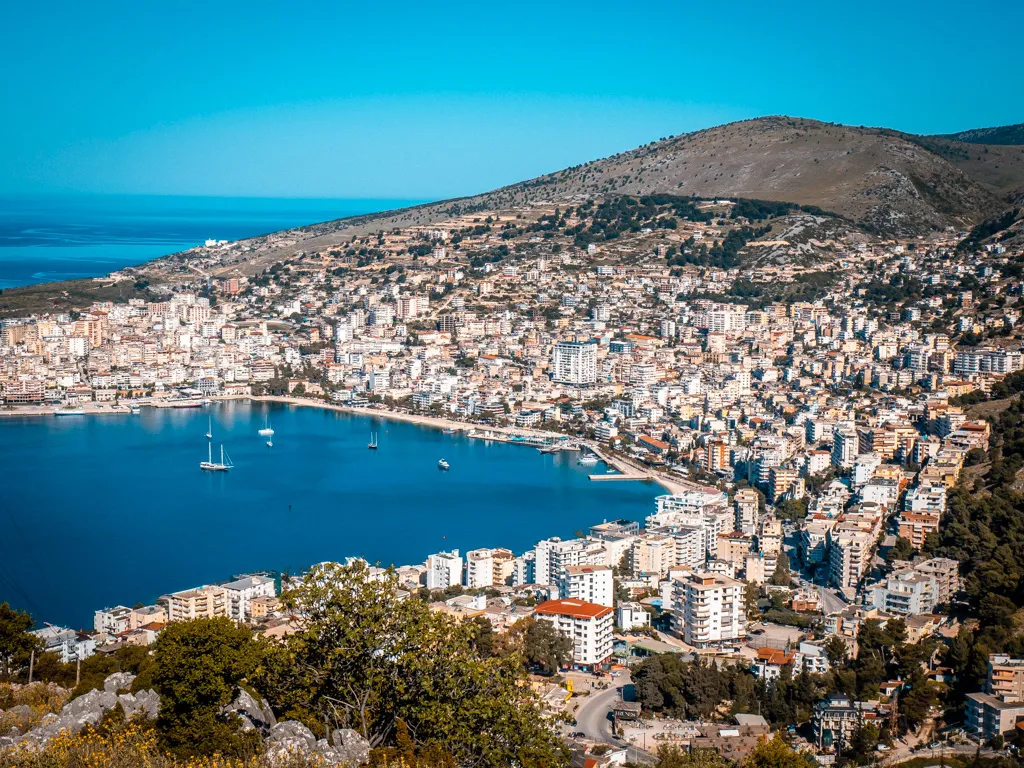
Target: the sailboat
pixel 373 441
pixel 212 466
pixel 209 429
pixel 267 431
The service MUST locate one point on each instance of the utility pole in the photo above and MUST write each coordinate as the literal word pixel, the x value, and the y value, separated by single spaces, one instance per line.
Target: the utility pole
pixel 78 671
pixel 31 665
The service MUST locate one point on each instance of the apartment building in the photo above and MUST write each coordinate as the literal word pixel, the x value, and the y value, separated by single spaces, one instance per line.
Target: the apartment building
pixel 444 570
pixel 1005 676
pixel 489 567
pixel 849 558
pixel 201 603
pixel 589 583
pixel 113 621
pixel 588 625
pixel 908 594
pixel 915 527
pixel 552 556
pixel 834 721
pixel 241 593
pixel 746 503
pixel 574 362
pixel 708 609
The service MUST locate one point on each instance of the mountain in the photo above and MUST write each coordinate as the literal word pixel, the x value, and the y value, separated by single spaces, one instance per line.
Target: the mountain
pixel 883 181
pixel 1003 134
pixel 888 183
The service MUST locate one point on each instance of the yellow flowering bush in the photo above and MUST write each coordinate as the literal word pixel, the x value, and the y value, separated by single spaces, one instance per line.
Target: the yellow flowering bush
pixel 128 745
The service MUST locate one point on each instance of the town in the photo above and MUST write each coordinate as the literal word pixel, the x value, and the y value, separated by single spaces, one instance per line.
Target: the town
pixel 810 405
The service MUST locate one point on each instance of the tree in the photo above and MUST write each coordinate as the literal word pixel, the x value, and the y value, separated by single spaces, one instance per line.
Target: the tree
pixel 673 756
pixel 16 644
pixel 546 647
pixel 365 659
pixel 199 666
pixel 901 550
pixel 775 753
pixel 781 576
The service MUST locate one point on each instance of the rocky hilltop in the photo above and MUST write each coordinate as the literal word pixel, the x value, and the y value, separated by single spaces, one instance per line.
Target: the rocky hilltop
pixel 885 182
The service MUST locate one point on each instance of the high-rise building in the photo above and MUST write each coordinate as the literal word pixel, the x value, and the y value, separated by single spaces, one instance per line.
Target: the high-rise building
pixel 444 570
pixel 588 625
pixel 590 583
pixel 708 609
pixel 574 362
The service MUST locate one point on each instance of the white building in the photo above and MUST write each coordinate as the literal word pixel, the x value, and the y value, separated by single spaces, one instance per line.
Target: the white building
pixel 552 556
pixel 574 362
pixel 444 570
pixel 112 621
pixel 242 592
pixel 630 616
pixel 480 568
pixel 69 645
pixel 708 609
pixel 589 583
pixel 588 625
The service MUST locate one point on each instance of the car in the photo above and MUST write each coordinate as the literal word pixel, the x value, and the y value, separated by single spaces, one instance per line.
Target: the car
pixel 934 745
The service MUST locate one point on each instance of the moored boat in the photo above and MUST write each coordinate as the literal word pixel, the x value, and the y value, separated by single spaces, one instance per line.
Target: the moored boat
pixel 443 465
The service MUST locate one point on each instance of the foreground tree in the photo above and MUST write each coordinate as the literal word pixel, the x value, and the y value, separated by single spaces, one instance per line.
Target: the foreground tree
pixel 198 668
pixel 365 659
pixel 16 644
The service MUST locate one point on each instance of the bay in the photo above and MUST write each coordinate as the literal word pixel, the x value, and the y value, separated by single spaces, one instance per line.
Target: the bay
pixel 67 237
pixel 97 511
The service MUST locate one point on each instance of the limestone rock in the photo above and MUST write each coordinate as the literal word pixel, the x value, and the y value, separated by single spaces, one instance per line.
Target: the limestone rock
pixel 119 681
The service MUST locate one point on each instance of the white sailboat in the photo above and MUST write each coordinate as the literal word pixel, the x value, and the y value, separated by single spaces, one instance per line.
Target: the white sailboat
pixel 267 430
pixel 213 466
pixel 372 445
pixel 209 429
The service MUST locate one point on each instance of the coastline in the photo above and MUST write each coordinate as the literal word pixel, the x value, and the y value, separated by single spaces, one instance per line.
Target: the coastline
pixel 628 470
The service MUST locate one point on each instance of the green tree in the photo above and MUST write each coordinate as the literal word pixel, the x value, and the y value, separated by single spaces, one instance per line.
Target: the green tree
pixel 364 658
pixel 673 756
pixel 16 644
pixel 776 753
pixel 544 646
pixel 781 576
pixel 199 666
pixel 901 550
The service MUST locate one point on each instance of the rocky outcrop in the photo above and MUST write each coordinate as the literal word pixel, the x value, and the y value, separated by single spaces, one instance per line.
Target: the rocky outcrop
pixel 290 738
pixel 89 709
pixel 254 714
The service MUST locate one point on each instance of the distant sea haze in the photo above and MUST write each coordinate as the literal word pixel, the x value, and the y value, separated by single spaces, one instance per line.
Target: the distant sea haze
pixel 46 239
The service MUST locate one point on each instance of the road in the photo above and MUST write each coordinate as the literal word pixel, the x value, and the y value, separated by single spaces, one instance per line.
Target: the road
pixel 593 718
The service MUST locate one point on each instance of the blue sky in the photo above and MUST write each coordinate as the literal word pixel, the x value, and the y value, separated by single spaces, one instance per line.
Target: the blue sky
pixel 431 100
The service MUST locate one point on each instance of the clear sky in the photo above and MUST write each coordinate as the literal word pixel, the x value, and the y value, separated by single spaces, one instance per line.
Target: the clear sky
pixel 431 100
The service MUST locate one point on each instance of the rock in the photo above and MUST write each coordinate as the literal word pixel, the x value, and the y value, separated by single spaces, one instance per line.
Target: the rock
pixel 22 712
pixel 350 747
pixel 292 731
pixel 149 702
pixel 258 712
pixel 6 741
pixel 344 748
pixel 119 681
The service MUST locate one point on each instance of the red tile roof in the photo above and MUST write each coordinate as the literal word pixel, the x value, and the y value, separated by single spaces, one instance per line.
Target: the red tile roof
pixel 577 609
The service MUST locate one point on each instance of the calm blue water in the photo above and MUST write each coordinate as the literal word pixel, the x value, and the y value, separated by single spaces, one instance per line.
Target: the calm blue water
pixel 101 510
pixel 44 239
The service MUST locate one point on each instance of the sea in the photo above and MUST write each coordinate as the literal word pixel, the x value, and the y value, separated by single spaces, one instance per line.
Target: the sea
pixel 101 510
pixel 66 237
